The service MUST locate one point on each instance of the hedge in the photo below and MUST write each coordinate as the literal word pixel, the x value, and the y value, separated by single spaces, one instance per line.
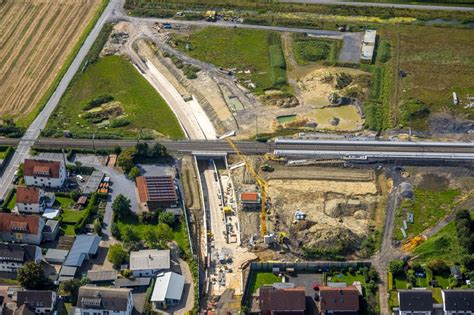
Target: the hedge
pixel 7 200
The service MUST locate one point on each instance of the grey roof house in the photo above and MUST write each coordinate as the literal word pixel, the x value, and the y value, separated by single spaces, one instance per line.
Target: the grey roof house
pixel 458 301
pixel 415 301
pixel 91 299
pixel 168 289
pixel 147 263
pixel 40 302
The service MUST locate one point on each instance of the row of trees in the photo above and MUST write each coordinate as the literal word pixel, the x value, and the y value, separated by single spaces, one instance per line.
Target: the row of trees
pixel 128 158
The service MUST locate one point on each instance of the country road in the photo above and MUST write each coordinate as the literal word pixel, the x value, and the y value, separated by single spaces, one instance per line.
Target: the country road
pixel 34 130
pixel 384 5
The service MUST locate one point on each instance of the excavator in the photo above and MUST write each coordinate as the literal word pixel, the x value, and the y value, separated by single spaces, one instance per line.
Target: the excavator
pixel 262 184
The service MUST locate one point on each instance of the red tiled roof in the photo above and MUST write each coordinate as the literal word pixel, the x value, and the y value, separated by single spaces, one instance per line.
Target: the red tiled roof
pixel 249 196
pixel 280 300
pixel 27 195
pixel 10 222
pixel 156 188
pixel 41 168
pixel 339 299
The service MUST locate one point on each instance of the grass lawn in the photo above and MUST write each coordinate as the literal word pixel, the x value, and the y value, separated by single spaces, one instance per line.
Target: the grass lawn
pixel 448 52
pixel 3 152
pixel 308 50
pixel 428 208
pixel 12 202
pixel 244 49
pixel 401 282
pixel 179 231
pixel 347 278
pixel 134 101
pixel 72 216
pixel 257 279
pixel 68 229
pixel 443 245
pixel 8 281
pixel 63 202
pixel 393 299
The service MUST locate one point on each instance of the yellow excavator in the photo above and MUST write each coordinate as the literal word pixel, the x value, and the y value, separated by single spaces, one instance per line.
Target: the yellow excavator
pixel 262 184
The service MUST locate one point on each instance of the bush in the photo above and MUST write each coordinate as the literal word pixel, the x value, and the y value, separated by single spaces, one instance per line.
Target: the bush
pixel 96 102
pixel 119 122
pixel 396 266
pixel 438 266
pixel 412 110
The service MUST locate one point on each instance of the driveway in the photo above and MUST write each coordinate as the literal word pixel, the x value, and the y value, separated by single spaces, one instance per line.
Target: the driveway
pixel 120 185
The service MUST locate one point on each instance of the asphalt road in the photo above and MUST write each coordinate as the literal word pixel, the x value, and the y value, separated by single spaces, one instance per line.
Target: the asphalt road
pixel 384 5
pixel 33 131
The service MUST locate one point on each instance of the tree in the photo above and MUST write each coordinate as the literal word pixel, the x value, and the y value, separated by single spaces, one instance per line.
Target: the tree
pixel 468 262
pixel 121 206
pixel 75 194
pixel 164 233
pixel 117 150
pixel 149 217
pixel 142 149
pixel 130 236
pixel 126 159
pixel 151 237
pixel 396 266
pixel 134 173
pixel 117 255
pixel 31 276
pixel 98 227
pixel 158 151
pixel 167 218
pixel 115 231
pixel 70 288
pixel 438 266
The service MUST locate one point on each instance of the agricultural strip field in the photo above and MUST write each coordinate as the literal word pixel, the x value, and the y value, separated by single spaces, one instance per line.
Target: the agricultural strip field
pixel 256 52
pixel 111 99
pixel 36 38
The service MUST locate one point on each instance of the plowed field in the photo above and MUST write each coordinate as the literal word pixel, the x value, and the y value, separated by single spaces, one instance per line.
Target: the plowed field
pixel 36 36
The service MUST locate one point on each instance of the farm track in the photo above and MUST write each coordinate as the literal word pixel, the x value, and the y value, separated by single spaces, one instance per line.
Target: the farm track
pixel 36 38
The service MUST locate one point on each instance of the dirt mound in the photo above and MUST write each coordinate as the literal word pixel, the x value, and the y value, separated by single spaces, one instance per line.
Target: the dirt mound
pixel 328 237
pixel 343 207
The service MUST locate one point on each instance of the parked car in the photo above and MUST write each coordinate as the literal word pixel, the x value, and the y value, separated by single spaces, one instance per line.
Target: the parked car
pixel 80 178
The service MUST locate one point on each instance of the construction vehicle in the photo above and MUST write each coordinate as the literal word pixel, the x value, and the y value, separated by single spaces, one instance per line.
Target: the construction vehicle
pixel 273 157
pixel 267 168
pixel 412 243
pixel 262 184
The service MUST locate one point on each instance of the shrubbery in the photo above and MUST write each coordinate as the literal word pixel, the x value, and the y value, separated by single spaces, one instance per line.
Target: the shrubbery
pixel 96 102
pixel 119 122
pixel 412 110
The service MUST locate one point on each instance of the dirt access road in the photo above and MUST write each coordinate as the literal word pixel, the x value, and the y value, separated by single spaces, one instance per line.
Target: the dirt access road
pixel 35 39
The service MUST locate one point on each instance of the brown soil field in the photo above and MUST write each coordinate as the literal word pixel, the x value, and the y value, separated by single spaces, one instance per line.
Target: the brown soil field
pixel 36 36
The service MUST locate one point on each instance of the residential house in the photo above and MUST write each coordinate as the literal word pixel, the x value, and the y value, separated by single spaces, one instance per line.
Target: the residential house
pixel 25 229
pixel 274 301
pixel 419 302
pixel 50 230
pixel 93 300
pixel 43 173
pixel 14 256
pixel 40 302
pixel 32 200
pixel 147 263
pixel 250 200
pixel 168 289
pixel 157 192
pixel 457 302
pixel 338 300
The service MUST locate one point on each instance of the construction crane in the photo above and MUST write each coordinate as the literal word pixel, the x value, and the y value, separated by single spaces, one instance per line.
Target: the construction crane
pixel 262 184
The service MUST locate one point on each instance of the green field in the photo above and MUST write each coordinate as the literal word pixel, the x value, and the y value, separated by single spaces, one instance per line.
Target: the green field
pixel 134 101
pixel 229 48
pixel 438 62
pixel 309 50
pixel 258 279
pixel 428 208
pixel 443 245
